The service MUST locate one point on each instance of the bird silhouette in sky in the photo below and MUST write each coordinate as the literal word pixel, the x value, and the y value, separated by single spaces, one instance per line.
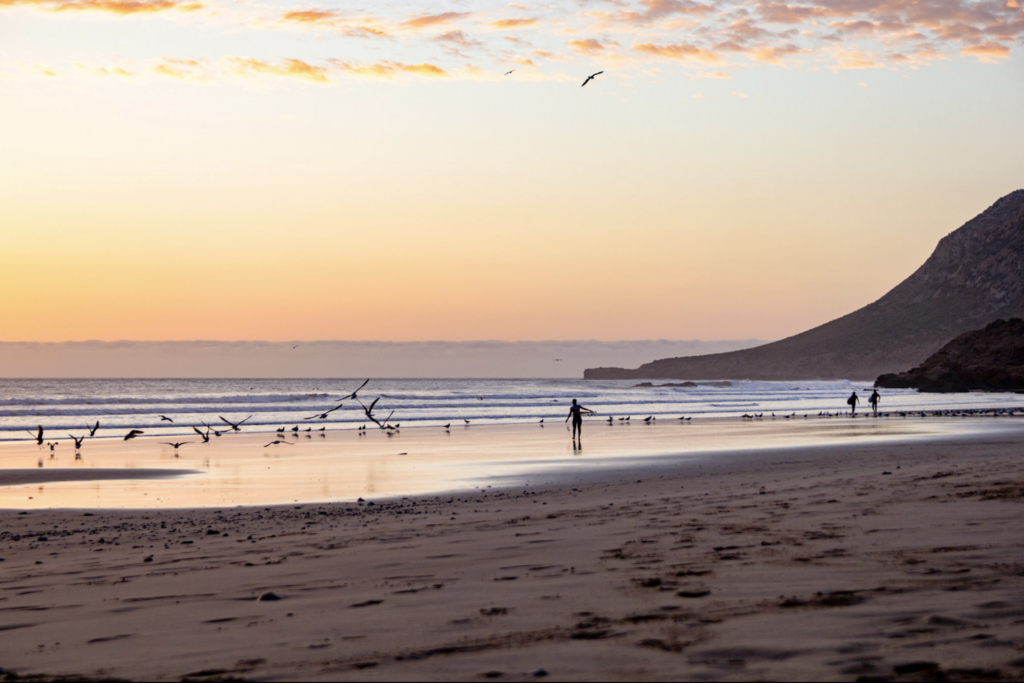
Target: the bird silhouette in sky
pixel 590 78
pixel 509 72
pixel 164 418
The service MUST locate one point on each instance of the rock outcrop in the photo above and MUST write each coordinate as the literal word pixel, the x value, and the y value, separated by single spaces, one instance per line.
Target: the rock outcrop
pixel 991 359
pixel 975 276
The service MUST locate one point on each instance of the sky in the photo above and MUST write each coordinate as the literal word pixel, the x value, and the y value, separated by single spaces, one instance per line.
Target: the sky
pixel 258 170
pixel 249 359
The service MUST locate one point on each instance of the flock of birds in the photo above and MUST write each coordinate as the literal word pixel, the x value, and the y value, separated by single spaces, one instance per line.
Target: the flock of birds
pixel 40 434
pixel 390 429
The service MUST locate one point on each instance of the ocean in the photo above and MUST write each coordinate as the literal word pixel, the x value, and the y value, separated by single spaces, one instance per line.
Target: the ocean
pixel 70 407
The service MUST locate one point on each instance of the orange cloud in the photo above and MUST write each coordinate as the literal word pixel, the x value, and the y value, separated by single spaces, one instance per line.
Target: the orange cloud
pixel 680 51
pixel 311 16
pixel 656 10
pixel 513 23
pixel 104 71
pixel 178 68
pixel 295 68
pixel 986 52
pixel 388 69
pixel 774 55
pixel 714 74
pixel 589 46
pixel 435 19
pixel 854 59
pixel 120 7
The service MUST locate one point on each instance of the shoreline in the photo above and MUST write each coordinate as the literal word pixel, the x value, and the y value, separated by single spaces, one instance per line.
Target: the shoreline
pixel 854 561
pixel 243 470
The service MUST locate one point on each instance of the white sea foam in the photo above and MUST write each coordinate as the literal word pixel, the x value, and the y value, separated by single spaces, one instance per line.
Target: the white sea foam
pixel 63 406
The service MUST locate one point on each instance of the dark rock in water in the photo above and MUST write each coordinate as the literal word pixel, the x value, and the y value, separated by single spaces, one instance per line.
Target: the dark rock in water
pixel 269 596
pixel 991 359
pixel 212 532
pixel 538 673
pixel 974 276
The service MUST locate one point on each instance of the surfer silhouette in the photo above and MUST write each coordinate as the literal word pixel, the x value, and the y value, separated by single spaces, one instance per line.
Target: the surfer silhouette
pixel 576 413
pixel 852 402
pixel 875 398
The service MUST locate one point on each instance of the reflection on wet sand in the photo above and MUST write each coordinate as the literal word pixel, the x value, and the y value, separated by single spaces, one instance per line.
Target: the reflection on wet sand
pixel 346 465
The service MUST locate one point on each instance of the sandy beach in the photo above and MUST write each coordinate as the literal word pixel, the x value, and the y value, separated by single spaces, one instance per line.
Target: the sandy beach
pixel 896 561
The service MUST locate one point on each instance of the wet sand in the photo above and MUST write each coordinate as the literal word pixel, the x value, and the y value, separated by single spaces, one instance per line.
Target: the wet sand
pixel 337 466
pixel 901 561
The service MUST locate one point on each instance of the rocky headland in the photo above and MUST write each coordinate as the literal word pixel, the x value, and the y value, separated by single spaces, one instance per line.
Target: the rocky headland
pixel 975 276
pixel 990 359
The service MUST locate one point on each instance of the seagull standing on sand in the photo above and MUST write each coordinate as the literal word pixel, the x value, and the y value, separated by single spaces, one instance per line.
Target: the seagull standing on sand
pixel 590 78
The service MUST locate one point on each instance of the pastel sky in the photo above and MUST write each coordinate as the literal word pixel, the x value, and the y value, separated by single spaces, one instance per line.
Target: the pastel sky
pixel 243 169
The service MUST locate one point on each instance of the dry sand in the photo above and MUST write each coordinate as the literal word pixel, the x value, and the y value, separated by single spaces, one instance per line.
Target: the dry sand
pixel 881 560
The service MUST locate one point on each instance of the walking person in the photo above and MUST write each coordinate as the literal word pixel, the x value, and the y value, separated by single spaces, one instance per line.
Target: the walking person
pixel 852 402
pixel 576 412
pixel 875 398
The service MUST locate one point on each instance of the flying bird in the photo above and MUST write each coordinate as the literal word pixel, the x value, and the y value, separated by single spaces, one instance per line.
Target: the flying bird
pixel 132 434
pixel 235 426
pixel 277 443
pixel 92 432
pixel 341 402
pixel 369 412
pixel 37 436
pixel 78 441
pixel 211 429
pixel 176 445
pixel 591 77
pixel 509 72
pixel 54 445
pixel 205 437
pixel 164 418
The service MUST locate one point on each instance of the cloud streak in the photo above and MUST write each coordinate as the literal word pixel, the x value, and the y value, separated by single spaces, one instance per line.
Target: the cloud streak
pixel 633 37
pixel 118 7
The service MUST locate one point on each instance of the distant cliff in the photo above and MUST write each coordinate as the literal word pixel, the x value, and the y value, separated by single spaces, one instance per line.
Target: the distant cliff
pixel 975 276
pixel 991 359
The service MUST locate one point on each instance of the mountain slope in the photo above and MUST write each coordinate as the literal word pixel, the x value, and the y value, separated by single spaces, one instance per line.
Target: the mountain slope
pixel 975 275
